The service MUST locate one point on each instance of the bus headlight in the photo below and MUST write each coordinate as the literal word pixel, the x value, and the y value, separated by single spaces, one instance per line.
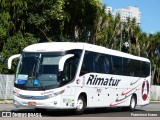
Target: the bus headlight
pixel 55 94
pixel 16 94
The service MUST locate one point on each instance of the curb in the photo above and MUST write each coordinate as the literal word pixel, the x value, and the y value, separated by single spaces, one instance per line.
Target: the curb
pixel 6 102
pixel 154 101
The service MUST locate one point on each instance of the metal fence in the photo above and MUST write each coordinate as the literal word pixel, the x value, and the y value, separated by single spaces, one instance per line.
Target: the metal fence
pixel 6 87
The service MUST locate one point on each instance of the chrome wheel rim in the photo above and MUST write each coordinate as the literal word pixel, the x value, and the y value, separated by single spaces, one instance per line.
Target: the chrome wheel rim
pixel 80 104
pixel 133 103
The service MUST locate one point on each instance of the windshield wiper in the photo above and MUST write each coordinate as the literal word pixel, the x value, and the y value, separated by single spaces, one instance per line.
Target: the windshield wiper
pixel 37 72
pixel 32 74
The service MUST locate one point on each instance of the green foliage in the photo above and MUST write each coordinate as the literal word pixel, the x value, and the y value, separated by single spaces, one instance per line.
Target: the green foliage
pixel 24 22
pixel 83 18
pixel 45 19
pixel 15 45
pixel 4 25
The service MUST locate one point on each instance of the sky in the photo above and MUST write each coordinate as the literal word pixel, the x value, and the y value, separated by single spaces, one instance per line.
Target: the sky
pixel 150 12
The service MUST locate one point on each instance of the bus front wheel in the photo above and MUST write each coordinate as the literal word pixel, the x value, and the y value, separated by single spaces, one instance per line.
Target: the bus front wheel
pixel 81 105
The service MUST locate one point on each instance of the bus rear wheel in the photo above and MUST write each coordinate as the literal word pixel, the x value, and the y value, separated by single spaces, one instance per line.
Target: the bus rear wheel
pixel 133 103
pixel 81 105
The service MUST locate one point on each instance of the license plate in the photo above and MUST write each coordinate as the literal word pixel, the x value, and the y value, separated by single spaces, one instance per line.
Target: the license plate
pixel 31 103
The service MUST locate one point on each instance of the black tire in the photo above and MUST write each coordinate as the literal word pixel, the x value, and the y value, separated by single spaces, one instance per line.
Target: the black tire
pixel 133 103
pixel 81 105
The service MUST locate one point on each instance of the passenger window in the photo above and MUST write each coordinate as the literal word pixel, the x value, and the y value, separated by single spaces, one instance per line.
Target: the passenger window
pixel 102 64
pixel 88 64
pixel 126 67
pixel 137 68
pixel 132 68
pixel 95 62
pixel 107 60
pixel 145 69
pixel 117 65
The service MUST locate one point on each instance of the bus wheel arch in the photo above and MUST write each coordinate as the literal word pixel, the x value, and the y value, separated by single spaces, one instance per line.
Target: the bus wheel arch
pixel 81 103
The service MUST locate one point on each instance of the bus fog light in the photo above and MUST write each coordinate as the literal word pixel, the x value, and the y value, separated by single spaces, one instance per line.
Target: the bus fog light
pixel 16 94
pixel 55 102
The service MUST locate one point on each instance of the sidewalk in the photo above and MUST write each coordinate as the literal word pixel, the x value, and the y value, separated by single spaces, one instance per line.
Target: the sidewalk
pixel 6 101
pixel 155 102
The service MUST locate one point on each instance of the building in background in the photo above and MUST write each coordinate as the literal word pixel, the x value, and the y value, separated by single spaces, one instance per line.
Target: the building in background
pixel 127 12
pixel 109 10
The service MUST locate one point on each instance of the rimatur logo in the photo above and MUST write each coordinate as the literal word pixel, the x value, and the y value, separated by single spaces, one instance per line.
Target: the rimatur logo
pixel 95 80
pixel 145 89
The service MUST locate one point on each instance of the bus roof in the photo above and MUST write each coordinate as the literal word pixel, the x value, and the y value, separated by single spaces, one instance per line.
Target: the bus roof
pixel 64 46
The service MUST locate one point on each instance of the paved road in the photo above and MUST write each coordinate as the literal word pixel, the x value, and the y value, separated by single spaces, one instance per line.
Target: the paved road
pixel 152 108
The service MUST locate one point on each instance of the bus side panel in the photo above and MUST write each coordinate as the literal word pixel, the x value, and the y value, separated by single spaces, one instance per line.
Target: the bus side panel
pixel 112 95
pixel 100 94
pixel 68 97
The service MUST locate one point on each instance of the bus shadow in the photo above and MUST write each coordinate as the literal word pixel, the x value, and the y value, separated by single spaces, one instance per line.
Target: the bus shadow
pixel 100 112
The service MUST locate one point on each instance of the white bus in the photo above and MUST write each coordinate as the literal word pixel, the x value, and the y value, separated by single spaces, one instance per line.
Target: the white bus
pixel 66 75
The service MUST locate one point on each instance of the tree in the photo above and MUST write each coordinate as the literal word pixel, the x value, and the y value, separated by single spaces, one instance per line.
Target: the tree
pixel 154 43
pixel 4 26
pixel 84 15
pixel 15 45
pixel 23 22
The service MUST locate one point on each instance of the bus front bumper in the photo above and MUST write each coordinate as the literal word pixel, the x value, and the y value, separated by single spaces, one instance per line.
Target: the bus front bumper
pixel 51 103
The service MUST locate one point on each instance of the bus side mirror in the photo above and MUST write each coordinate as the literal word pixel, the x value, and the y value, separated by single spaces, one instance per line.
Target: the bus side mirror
pixel 62 61
pixel 12 58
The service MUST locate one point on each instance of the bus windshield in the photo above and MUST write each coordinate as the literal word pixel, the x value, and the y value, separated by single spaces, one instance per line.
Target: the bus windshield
pixel 38 70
